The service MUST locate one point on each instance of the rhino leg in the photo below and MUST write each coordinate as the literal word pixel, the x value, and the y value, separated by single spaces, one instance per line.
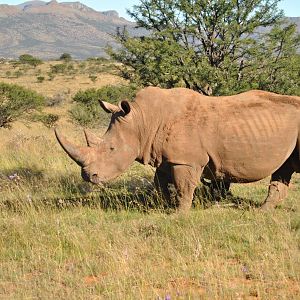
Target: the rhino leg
pixel 279 184
pixel 162 180
pixel 186 179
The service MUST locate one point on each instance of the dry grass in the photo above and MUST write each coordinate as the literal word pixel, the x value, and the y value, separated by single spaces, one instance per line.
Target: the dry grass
pixel 67 84
pixel 62 238
pixel 86 253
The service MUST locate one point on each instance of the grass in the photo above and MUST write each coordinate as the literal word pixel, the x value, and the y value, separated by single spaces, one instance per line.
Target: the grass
pixel 67 83
pixel 86 253
pixel 64 238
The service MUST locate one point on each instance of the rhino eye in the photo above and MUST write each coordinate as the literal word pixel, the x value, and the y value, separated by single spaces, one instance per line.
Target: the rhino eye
pixel 112 148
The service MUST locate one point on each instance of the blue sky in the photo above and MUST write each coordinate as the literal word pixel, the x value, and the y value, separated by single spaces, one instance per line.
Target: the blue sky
pixel 290 7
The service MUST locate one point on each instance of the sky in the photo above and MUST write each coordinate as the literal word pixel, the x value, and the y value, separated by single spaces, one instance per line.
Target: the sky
pixel 290 7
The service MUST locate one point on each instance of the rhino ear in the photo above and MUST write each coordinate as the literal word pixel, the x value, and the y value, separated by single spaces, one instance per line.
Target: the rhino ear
pixel 108 107
pixel 125 107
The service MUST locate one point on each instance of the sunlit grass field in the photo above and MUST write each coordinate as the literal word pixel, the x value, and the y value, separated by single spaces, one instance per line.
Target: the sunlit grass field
pixel 64 238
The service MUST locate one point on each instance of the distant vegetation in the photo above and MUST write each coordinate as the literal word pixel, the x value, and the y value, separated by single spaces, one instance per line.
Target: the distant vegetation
pixel 66 57
pixel 87 111
pixel 214 47
pixel 15 101
pixel 49 120
pixel 30 60
pixel 27 64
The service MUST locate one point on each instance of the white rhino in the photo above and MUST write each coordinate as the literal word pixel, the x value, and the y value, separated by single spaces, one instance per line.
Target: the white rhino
pixel 186 135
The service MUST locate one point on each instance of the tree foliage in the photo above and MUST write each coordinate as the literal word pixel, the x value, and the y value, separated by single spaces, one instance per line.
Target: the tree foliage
pixel 15 101
pixel 219 46
pixel 30 60
pixel 65 57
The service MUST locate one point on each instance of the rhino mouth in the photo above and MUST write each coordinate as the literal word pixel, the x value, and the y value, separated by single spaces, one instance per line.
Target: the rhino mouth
pixel 94 178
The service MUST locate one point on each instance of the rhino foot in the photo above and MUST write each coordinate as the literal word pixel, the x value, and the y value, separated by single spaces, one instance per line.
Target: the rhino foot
pixel 277 192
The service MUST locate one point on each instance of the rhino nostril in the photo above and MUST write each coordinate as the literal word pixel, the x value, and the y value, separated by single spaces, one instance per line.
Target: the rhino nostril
pixel 94 176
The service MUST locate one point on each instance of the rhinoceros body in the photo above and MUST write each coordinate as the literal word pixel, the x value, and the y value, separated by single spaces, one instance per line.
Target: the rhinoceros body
pixel 241 138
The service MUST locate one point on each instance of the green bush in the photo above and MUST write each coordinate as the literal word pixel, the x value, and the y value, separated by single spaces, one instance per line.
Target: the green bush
pixel 15 101
pixel 51 76
pixel 100 60
pixel 87 111
pixel 40 79
pixel 49 120
pixel 60 68
pixel 30 60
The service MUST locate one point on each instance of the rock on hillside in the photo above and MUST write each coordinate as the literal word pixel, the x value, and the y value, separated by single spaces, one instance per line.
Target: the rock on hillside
pixel 47 29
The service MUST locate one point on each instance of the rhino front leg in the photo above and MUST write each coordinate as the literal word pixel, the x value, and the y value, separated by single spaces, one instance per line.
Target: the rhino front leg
pixel 186 179
pixel 278 188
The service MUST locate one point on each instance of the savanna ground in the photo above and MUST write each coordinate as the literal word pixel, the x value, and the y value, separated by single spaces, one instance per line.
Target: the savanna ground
pixel 63 238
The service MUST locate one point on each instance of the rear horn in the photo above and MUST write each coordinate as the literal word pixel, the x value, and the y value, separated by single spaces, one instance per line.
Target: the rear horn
pixel 91 139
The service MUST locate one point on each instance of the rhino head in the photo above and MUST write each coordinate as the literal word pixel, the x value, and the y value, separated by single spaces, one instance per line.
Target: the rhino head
pixel 106 158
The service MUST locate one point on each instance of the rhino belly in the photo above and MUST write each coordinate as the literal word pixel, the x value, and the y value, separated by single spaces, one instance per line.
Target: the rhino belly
pixel 248 163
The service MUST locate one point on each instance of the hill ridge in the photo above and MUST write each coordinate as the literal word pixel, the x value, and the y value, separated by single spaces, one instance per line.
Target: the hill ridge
pixel 47 29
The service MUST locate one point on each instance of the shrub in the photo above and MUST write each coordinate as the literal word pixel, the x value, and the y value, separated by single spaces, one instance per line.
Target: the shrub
pixel 30 60
pixel 49 120
pixel 66 57
pixel 70 67
pixel 18 74
pixel 60 68
pixel 40 79
pixel 100 60
pixel 87 111
pixel 51 76
pixel 56 100
pixel 82 65
pixel 93 77
pixel 16 100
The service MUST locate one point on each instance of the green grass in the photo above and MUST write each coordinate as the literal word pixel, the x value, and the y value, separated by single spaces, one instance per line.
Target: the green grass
pixel 63 238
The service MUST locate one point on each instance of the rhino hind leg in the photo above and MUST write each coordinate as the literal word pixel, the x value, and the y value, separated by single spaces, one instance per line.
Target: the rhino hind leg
pixel 278 188
pixel 162 182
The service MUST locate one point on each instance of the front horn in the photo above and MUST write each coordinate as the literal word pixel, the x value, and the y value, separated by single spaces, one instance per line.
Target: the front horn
pixel 75 152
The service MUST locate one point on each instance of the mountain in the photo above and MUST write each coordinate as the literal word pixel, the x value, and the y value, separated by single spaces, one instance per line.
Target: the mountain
pixel 295 20
pixel 28 4
pixel 48 29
